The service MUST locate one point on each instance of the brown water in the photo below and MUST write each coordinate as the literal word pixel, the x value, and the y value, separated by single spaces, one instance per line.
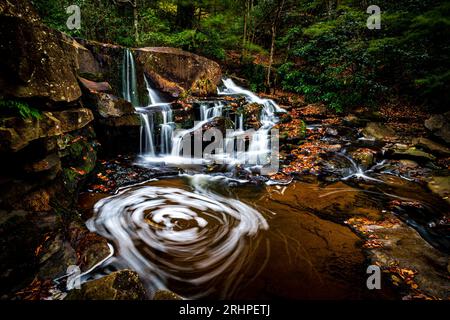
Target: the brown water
pixel 206 237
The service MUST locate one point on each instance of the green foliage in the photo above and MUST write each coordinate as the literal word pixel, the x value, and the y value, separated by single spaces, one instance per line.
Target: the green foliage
pixel 254 73
pixel 324 49
pixel 343 64
pixel 20 108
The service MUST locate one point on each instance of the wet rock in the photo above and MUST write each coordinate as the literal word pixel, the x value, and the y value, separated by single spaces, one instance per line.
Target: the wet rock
pixel 120 285
pixel 331 132
pixel 432 146
pixel 441 186
pixel 220 123
pixel 175 71
pixel 401 247
pixel 364 156
pixel 378 131
pixel 166 295
pixel 440 126
pixel 16 133
pixel 90 247
pixel 43 66
pixel 56 256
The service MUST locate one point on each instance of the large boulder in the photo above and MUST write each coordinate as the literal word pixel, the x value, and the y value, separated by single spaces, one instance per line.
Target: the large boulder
pixel 379 131
pixel 37 62
pixel 439 124
pixel 16 133
pixel 175 71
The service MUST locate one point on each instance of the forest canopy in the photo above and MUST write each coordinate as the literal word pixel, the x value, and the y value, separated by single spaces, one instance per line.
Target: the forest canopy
pixel 321 49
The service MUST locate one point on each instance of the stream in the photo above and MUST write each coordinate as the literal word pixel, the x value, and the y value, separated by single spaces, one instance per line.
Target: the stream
pixel 223 235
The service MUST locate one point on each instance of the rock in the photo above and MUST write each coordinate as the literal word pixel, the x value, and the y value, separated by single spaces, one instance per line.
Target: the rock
pixel 109 58
pixel 109 106
pixel 37 61
pixel 331 132
pixel 364 156
pixel 49 162
pixel 120 285
pixel 19 8
pixel 379 131
pixel 220 123
pixel 439 125
pixel 175 71
pixel 90 247
pixel 352 120
pixel 85 61
pixel 414 154
pixel 38 201
pixel 403 247
pixel 92 86
pixel 166 295
pixel 441 186
pixel 408 164
pixel 16 133
pixel 431 146
pixel 56 256
pixel 131 120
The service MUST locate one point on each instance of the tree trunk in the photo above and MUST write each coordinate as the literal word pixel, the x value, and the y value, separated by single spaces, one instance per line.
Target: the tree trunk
pixel 275 22
pixel 185 14
pixel 244 38
pixel 136 21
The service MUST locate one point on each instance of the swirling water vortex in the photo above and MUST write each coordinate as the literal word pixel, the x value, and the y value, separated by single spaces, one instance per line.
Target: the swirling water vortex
pixel 177 238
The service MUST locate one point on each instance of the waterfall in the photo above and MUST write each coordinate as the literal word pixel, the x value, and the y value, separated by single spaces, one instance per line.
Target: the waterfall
pixel 259 147
pixel 147 146
pixel 129 82
pixel 170 146
pixel 130 93
pixel 166 129
pixel 206 115
pixel 153 95
pixel 167 117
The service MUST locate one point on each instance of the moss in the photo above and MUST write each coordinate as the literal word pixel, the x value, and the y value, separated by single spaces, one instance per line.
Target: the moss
pixel 19 108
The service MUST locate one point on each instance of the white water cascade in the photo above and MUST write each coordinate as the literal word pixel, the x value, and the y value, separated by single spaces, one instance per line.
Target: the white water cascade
pixel 130 93
pixel 156 102
pixel 259 148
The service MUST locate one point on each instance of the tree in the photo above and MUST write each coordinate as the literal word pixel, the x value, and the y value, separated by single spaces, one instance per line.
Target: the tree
pixel 278 10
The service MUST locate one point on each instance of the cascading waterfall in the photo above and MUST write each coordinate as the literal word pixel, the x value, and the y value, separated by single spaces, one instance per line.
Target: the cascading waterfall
pixel 129 81
pixel 130 93
pixel 206 114
pixel 156 102
pixel 171 146
pixel 259 148
pixel 166 129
